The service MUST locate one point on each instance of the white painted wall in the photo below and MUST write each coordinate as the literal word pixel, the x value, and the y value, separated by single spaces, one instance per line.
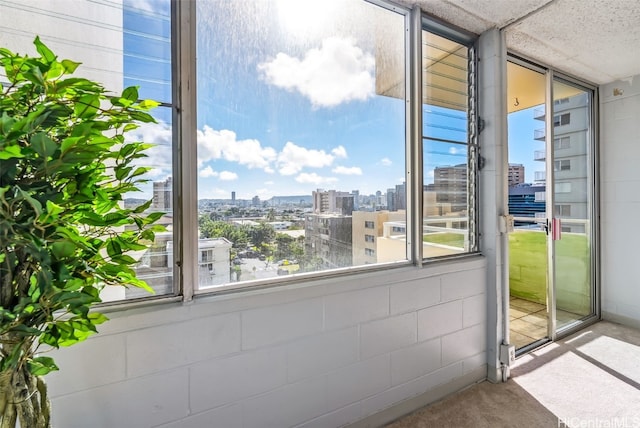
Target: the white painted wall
pixel 620 200
pixel 321 354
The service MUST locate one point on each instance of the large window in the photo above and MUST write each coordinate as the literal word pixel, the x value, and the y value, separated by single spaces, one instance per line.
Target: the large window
pixel 294 151
pixel 301 135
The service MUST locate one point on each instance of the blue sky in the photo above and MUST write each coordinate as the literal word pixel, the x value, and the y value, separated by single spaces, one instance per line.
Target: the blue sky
pixel 522 145
pixel 288 104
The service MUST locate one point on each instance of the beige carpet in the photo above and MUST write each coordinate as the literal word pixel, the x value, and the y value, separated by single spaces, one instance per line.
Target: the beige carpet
pixel 590 379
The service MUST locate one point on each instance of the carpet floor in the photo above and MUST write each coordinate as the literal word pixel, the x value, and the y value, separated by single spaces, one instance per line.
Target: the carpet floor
pixel 589 379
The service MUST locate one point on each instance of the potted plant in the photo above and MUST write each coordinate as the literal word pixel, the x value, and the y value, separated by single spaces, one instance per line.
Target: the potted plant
pixel 65 168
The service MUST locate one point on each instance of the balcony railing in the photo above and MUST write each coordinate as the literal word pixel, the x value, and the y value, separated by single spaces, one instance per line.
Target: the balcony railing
pixel 539 113
pixel 539 134
pixel 540 176
pixel 540 196
pixel 540 155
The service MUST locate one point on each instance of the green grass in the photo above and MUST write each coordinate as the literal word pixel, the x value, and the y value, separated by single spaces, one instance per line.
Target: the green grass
pixel 528 268
pixel 451 239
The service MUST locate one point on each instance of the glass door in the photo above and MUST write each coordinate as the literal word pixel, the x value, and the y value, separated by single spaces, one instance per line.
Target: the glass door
pixel 572 158
pixel 528 255
pixel 551 187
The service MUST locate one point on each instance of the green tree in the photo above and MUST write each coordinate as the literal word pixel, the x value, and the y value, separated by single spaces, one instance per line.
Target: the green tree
pixel 262 234
pixel 65 168
pixel 237 235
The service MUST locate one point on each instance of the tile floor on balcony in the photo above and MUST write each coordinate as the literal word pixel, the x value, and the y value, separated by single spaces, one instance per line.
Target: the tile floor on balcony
pixel 528 321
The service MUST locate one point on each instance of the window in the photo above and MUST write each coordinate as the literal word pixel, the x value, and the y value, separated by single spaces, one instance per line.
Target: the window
pixel 562 165
pixel 561 101
pixel 446 141
pixel 561 119
pixel 563 187
pixel 560 143
pixel 119 47
pixel 300 132
pixel 562 210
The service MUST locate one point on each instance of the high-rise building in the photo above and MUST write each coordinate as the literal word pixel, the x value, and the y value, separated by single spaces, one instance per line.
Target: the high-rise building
pixel 233 198
pixel 332 201
pixel 450 184
pixel 328 239
pixel 163 195
pixel 516 174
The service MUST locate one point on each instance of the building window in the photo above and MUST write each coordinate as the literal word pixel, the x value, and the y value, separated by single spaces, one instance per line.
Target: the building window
pixel 562 165
pixel 369 252
pixel 563 187
pixel 562 210
pixel 561 119
pixel 369 238
pixel 561 101
pixel 560 143
pixel 369 225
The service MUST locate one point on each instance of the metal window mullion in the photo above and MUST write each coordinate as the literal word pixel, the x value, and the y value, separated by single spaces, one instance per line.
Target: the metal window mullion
pixel 185 193
pixel 414 137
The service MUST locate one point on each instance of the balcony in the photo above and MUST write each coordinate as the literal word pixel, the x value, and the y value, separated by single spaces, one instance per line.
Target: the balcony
pixel 540 155
pixel 540 196
pixel 539 134
pixel 539 113
pixel 540 176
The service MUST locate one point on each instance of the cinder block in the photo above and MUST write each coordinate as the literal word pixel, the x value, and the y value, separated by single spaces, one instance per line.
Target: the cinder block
pixel 358 381
pixel 143 402
pixel 415 361
pixel 438 320
pixel 347 309
pixel 274 324
pixel 463 344
pixel 407 297
pixel 287 406
pixel 474 310
pixel 340 417
pixel 226 380
pixel 227 417
pixel 463 284
pixel 78 365
pixel 321 353
pixel 153 349
pixel 386 335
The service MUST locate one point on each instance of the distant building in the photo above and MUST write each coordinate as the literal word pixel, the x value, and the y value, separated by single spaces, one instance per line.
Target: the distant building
pixel 450 185
pixel 233 198
pixel 214 261
pixel 163 195
pixel 328 237
pixel 255 201
pixel 526 200
pixel 367 228
pixel 332 201
pixel 516 174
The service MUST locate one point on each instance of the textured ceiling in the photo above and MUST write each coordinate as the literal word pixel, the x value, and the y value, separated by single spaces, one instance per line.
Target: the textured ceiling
pixel 596 40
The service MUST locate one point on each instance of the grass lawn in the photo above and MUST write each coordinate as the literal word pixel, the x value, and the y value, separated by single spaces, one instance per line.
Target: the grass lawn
pixel 528 266
pixel 451 239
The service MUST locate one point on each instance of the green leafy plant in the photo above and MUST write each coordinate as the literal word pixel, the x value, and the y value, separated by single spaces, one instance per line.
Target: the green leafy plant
pixel 65 168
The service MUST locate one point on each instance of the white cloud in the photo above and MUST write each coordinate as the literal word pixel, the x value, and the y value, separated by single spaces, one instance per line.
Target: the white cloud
pixel 430 173
pixel 207 172
pixel 337 72
pixel 268 183
pixel 213 144
pixel 386 161
pixel 339 152
pixel 293 158
pixel 454 150
pixel 144 5
pixel 159 156
pixel 228 176
pixel 314 178
pixel 354 170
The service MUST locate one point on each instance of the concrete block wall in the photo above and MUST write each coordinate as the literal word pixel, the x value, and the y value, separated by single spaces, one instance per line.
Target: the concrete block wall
pixel 620 200
pixel 326 353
